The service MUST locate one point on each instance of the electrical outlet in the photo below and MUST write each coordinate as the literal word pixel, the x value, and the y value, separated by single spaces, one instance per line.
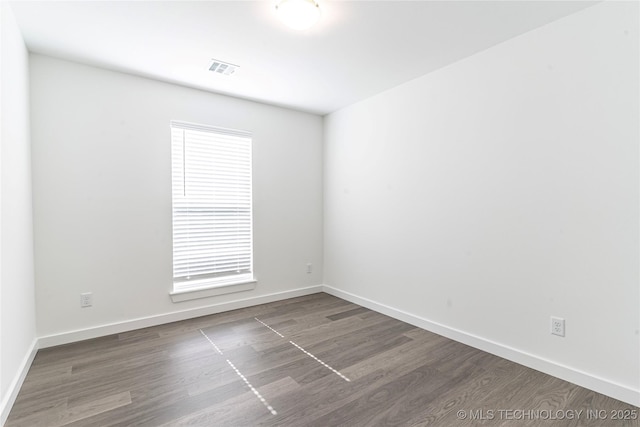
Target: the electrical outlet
pixel 86 299
pixel 309 268
pixel 557 326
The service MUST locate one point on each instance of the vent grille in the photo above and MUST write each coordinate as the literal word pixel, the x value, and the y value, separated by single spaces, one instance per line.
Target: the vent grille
pixel 224 68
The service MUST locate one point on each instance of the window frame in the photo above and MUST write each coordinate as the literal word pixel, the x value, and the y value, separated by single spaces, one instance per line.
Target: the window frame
pixel 210 284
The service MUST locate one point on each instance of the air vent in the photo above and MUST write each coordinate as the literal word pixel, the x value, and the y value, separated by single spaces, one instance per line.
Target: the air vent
pixel 223 67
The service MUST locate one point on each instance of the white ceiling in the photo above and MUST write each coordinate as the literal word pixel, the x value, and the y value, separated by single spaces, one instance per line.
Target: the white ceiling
pixel 358 49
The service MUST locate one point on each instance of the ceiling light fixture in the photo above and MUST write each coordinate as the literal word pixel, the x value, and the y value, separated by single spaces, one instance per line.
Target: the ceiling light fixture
pixel 298 14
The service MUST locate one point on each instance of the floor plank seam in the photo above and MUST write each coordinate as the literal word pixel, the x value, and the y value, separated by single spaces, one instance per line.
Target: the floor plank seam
pixel 252 388
pixel 212 343
pixel 278 333
pixel 306 352
pixel 242 377
pixel 320 361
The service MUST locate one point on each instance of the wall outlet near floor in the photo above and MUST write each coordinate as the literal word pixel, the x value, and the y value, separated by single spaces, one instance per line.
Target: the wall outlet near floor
pixel 86 299
pixel 557 326
pixel 309 268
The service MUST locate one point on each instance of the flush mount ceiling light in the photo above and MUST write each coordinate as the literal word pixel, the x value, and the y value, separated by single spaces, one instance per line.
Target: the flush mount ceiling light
pixel 298 14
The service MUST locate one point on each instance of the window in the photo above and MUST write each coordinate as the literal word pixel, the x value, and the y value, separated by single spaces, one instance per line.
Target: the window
pixel 212 214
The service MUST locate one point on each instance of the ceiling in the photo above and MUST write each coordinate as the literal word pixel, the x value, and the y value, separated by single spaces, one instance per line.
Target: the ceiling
pixel 358 49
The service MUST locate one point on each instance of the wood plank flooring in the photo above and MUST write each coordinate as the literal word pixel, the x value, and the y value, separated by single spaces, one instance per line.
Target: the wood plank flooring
pixel 310 361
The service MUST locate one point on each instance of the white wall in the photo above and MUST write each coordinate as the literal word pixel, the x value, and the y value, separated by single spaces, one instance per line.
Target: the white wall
pixel 501 190
pixel 102 193
pixel 17 304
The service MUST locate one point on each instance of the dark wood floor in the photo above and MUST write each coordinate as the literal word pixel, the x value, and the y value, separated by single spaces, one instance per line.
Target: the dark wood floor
pixel 309 361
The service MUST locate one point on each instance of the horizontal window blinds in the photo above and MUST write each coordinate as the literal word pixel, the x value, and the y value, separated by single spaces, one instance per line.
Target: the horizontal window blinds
pixel 212 211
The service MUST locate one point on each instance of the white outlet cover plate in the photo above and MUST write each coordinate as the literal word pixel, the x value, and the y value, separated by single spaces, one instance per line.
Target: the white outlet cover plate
pixel 557 326
pixel 86 299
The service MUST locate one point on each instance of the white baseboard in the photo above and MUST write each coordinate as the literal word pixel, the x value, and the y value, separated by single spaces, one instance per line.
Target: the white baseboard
pixel 567 373
pixel 14 388
pixel 145 322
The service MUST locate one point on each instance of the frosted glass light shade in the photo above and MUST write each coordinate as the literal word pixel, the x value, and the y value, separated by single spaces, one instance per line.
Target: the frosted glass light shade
pixel 298 14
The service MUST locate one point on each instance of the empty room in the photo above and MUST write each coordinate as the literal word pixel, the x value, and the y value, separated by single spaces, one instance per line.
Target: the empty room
pixel 319 213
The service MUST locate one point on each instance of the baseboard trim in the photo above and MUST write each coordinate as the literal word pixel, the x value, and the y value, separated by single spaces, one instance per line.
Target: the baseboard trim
pixel 16 384
pixel 145 322
pixel 567 373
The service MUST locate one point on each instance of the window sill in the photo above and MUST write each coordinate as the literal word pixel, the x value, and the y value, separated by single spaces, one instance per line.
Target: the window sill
pixel 213 290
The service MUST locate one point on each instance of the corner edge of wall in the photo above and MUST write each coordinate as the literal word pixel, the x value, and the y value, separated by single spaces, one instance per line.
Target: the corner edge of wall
pixel 16 384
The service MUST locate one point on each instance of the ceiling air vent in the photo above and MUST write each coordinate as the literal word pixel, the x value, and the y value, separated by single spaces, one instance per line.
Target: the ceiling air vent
pixel 223 67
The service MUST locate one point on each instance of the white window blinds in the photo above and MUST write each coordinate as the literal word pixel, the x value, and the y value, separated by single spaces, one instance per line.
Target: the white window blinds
pixel 212 215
